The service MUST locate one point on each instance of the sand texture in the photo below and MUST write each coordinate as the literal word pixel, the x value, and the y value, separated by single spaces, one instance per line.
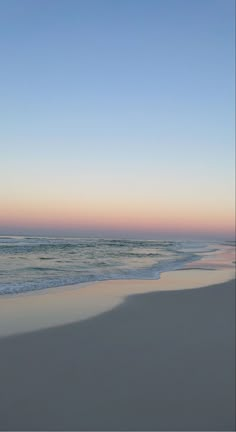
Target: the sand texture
pixel 158 361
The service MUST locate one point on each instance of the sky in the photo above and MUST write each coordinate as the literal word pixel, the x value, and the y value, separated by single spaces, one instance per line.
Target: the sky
pixel 117 118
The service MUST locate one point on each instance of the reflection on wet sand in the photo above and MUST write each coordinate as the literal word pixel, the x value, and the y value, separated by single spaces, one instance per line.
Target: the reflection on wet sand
pixel 53 307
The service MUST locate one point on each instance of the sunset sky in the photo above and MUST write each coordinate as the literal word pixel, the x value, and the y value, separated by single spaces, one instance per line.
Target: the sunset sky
pixel 117 117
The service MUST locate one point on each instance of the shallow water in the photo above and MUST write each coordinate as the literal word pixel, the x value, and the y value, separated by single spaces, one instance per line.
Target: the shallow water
pixel 35 263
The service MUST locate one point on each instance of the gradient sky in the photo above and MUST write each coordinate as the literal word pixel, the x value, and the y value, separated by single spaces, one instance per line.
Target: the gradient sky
pixel 117 117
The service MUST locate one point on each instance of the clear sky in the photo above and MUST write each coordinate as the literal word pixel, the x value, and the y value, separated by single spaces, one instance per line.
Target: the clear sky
pixel 117 117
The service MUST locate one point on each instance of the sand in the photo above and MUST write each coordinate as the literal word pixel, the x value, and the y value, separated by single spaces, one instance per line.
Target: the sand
pixel 63 305
pixel 158 361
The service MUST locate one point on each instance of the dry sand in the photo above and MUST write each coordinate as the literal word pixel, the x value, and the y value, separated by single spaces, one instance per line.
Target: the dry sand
pixel 158 361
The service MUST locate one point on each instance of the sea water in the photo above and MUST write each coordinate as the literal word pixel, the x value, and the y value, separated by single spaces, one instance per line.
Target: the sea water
pixel 35 263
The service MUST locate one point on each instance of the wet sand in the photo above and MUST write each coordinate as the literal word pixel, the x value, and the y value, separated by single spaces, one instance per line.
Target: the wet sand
pixel 32 311
pixel 158 361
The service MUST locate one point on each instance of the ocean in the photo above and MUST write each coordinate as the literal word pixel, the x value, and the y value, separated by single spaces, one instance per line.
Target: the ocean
pixel 36 263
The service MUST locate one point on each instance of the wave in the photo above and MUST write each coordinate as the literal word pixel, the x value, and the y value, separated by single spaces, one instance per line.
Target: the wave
pixel 35 263
pixel 151 272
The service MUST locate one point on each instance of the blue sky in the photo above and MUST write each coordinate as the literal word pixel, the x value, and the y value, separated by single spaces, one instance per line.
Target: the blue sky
pixel 135 94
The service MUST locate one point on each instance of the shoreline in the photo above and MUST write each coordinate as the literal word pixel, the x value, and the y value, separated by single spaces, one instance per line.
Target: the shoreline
pixel 31 311
pixel 159 361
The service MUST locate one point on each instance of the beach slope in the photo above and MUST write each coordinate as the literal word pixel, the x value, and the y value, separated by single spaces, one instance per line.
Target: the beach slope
pixel 159 361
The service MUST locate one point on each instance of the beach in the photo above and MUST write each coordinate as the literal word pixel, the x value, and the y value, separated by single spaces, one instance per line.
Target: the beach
pixel 161 360
pixel 117 221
